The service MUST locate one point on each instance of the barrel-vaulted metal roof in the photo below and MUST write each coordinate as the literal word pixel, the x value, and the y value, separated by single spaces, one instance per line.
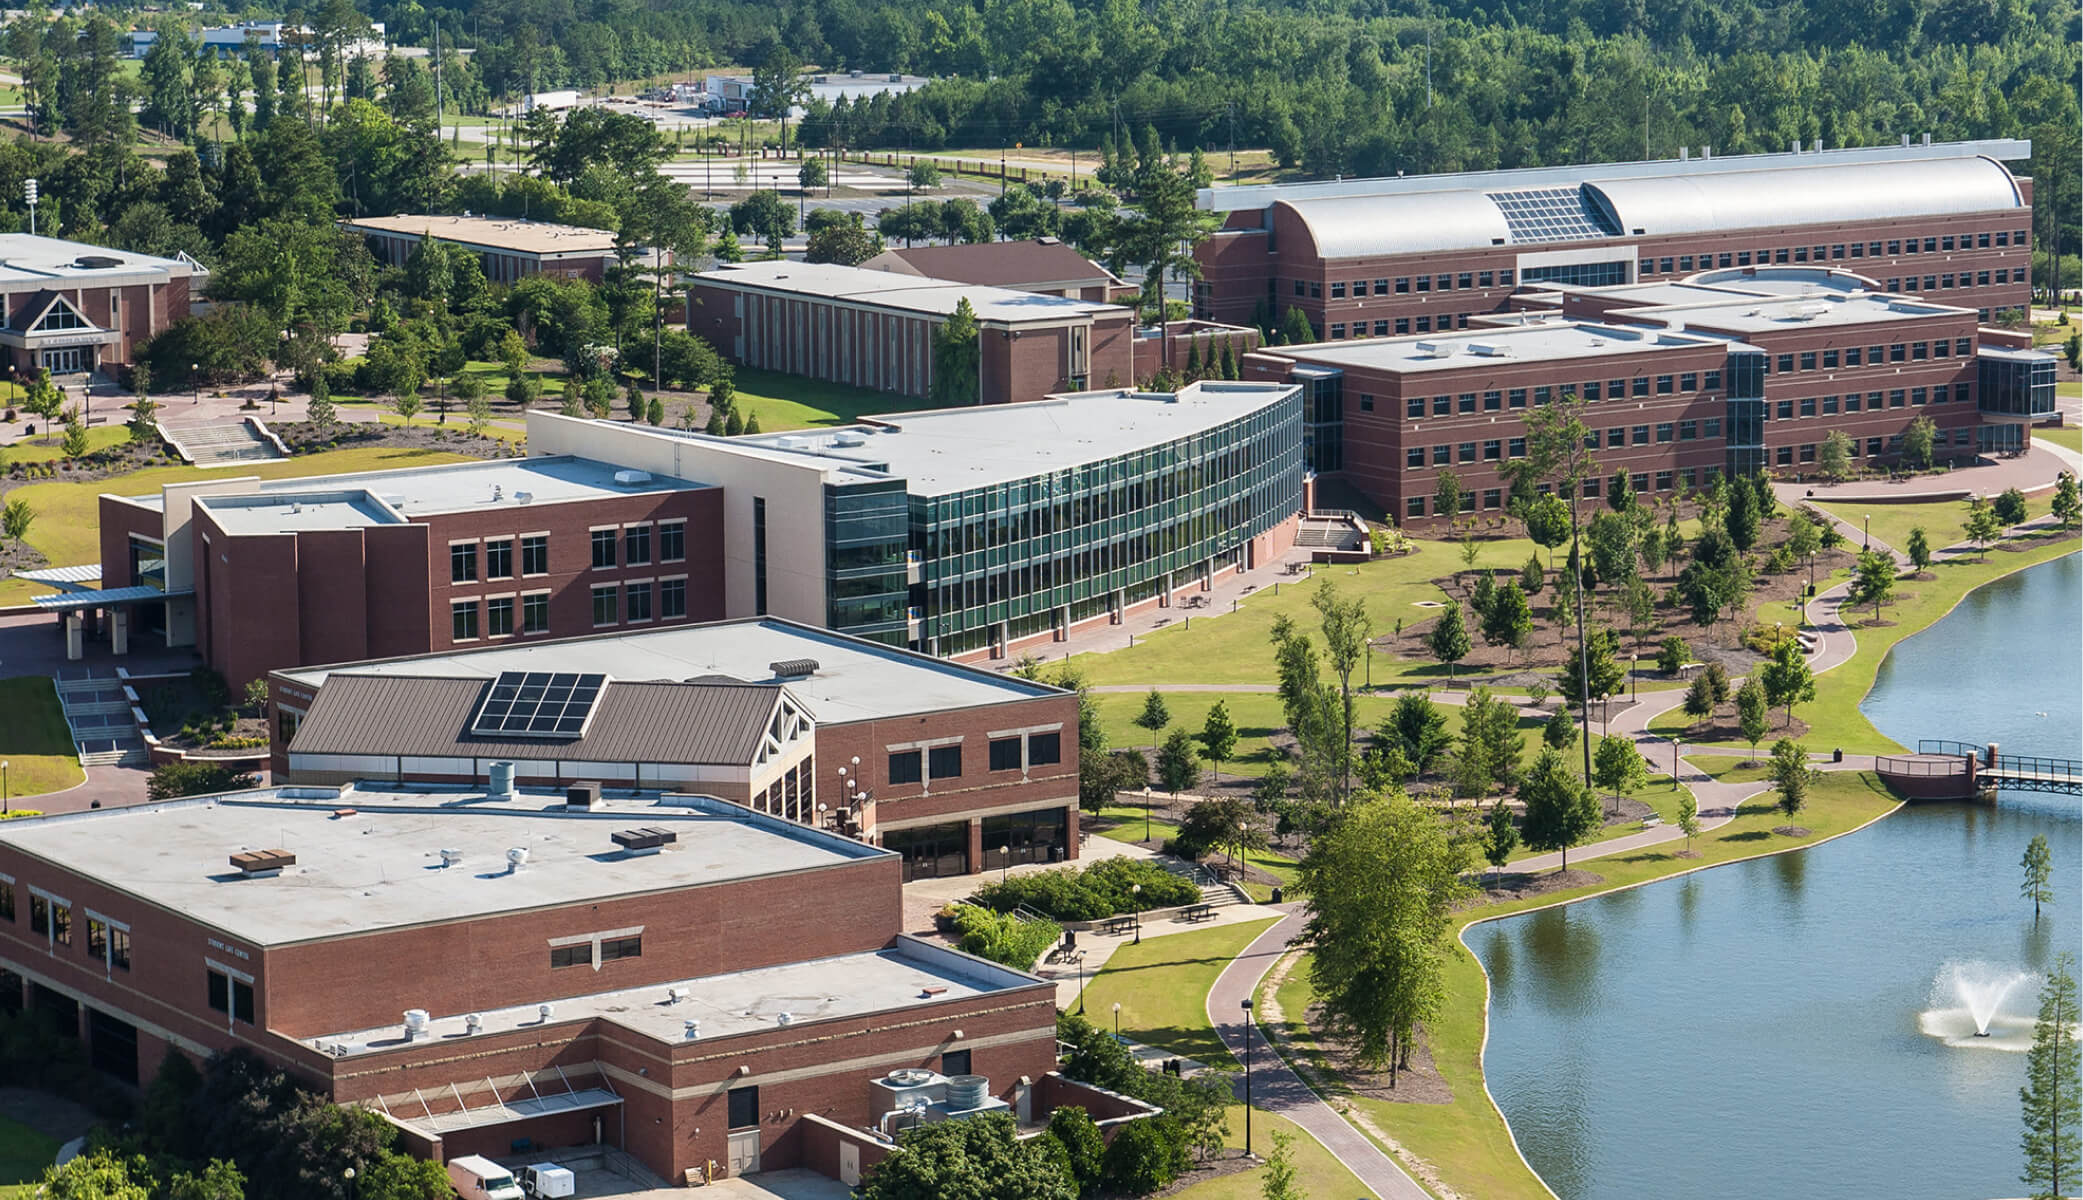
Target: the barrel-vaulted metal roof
pixel 1807 195
pixel 1551 205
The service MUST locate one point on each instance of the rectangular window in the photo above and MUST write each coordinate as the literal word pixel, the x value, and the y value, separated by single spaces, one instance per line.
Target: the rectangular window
pixel 1616 436
pixel 499 616
pixel 1808 360
pixel 1641 435
pixel 1663 266
pixel 1442 406
pixel 232 997
pixel 1338 329
pixel 2003 238
pixel 1493 497
pixel 1946 243
pixel 1665 385
pixel 535 613
pixel 636 601
pixel 1465 452
pixel 1858 249
pixel 1300 288
pixel 6 900
pixel 1425 324
pixel 1381 329
pixel 1808 406
pixel 1808 452
pixel 1666 431
pixel 119 949
pixel 1591 389
pixel 1663 481
pixel 1930 245
pixel 462 619
pixel 1493 401
pixel 604 605
pixel 1542 394
pixel 1414 457
pixel 1487 279
pixel 1685 262
pixel 603 549
pixel 1919 351
pixel 535 554
pixel 1493 450
pixel 744 1107
pixel 1710 428
pixel 1403 286
pixel 1897 352
pixel 1464 281
pixel 1044 749
pixel 220 992
pixel 1445 283
pixel 1785 365
pixel 1712 381
pixel 1800 254
pixel 1917 397
pixel 1829 360
pixel 571 956
pixel 1516 448
pixel 1779 255
pixel 1381 287
pixel 1338 291
pixel 944 762
pixel 759 555
pixel 499 559
pixel 636 546
pixel 1414 407
pixel 1783 456
pixel 1517 398
pixel 1688 431
pixel 621 947
pixel 904 767
pixel 1442 455
pixel 1465 402
pixel 1851 356
pixel 1413 506
pixel 1964 347
pixel 1504 278
pixel 1402 324
pixel 1895 398
pixel 1424 283
pixel 1005 754
pixel 672 599
pixel 462 563
pixel 1895 246
pixel 1786 410
pixel 1829 406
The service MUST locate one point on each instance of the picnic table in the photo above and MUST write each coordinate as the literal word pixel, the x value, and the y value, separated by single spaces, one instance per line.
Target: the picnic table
pixel 1121 924
pixel 1200 912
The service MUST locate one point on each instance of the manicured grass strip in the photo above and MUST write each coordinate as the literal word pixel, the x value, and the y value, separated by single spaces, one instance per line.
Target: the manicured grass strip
pixel 24 1154
pixel 793 402
pixel 1316 1172
pixel 1126 823
pixel 42 449
pixel 68 515
pixel 1834 719
pixel 1466 1140
pixel 2070 436
pixel 35 741
pixel 1162 987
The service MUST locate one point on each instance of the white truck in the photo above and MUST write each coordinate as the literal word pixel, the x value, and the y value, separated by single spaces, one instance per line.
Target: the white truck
pixel 477 1178
pixel 547 1181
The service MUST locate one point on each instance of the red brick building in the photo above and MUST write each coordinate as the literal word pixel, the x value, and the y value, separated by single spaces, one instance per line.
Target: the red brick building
pixel 1726 371
pixel 1428 254
pixel 509 248
pixel 957 768
pixel 705 987
pixel 874 329
pixel 265 574
pixel 71 308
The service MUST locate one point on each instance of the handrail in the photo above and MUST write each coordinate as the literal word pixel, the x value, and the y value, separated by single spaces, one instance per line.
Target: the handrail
pixel 1897 764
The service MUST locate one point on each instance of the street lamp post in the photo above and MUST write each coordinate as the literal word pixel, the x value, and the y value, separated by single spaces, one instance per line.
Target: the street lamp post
pixel 1005 862
pixel 1246 1004
pixel 195 380
pixel 1868 545
pixel 1135 890
pixel 6 797
pixel 1117 1020
pixel 1633 672
pixel 348 1175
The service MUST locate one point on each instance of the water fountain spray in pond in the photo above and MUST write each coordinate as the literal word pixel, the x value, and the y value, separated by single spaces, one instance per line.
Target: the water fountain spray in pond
pixel 1979 1000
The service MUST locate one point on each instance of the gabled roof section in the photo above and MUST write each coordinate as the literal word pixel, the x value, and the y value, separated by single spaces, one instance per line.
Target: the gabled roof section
pixel 1017 265
pixel 711 724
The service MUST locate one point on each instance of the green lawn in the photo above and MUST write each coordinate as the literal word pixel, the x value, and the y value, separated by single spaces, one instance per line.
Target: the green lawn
pixel 794 402
pixel 1317 1174
pixel 68 515
pixel 1466 1140
pixel 1943 520
pixel 24 1153
pixel 1162 987
pixel 43 449
pixel 1127 823
pixel 34 740
pixel 2069 436
pixel 1235 647
pixel 1734 768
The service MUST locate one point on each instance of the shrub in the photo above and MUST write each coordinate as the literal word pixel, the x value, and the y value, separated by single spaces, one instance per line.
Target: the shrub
pixel 176 779
pixel 1146 1156
pixel 1100 890
pixel 1765 639
pixel 1003 938
pixel 1084 1151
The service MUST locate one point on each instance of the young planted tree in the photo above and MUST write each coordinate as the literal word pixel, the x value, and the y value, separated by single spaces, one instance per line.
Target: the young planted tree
pixel 1787 678
pixel 1557 454
pixel 1741 520
pixel 2010 508
pixel 1873 580
pixel 1345 628
pixel 2066 507
pixel 1500 836
pixel 1791 774
pixel 1804 541
pixel 15 520
pixel 1919 549
pixel 1672 654
pixel 1509 618
pixel 1531 577
pixel 1417 728
pixel 1559 732
pixel 1919 441
pixel 1446 495
pixel 1699 699
pixel 1718 682
pixel 1219 736
pixel 1981 525
pixel 1155 715
pixel 2038 865
pixel 1448 640
pixel 2052 1098
pixel 957 358
pixel 1688 817
pixel 1561 810
pixel 1752 714
pixel 1834 461
pixel 1618 766
pixel 1178 763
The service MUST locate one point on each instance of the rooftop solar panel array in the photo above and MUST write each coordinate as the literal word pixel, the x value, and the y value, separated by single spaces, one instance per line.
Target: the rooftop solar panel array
pixel 1550 215
pixel 538 704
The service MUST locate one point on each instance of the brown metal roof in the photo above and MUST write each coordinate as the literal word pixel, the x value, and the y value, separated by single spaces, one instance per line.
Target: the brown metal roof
pixel 1037 262
pixel 717 724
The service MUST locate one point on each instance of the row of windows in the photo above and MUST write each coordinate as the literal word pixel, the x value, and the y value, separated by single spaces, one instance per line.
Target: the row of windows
pixel 1403 285
pixel 1359 329
pixel 945 762
pixel 941 762
pixel 1043 749
pixel 581 955
pixel 1497 400
pixel 1965 279
pixel 1829 406
pixel 635 602
pixel 498 558
pixel 634 542
pixel 1685 263
pixel 51 920
pixel 1853 356
pixel 231 996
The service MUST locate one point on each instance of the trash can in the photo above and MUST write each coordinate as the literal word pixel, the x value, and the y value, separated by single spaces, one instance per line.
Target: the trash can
pixel 1070 939
pixel 1837 755
pixel 1277 892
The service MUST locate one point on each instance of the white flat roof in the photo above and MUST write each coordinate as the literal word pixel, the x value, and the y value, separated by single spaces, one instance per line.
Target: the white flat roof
pixel 820 989
pixel 284 514
pixel 498 233
pixel 380 868
pixel 907 293
pixel 25 258
pixel 422 491
pixel 1546 342
pixel 953 450
pixel 856 680
pixel 1811 309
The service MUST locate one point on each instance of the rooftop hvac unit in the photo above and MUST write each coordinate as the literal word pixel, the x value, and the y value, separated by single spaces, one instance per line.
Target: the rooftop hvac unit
pixel 1487 349
pixel 545 1011
pixel 262 864
pixel 632 478
pixel 675 995
pixel 516 858
pixel 415 1022
pixel 643 841
pixel 793 668
pixel 848 439
pixel 1436 349
pixel 450 858
pixel 524 497
pixel 583 796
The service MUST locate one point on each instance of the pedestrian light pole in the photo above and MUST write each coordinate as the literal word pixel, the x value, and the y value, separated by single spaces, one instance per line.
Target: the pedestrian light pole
pixel 1246 1004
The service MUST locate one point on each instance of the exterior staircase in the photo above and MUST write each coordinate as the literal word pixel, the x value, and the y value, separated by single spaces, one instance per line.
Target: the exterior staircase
pixel 103 732
pixel 219 443
pixel 1215 891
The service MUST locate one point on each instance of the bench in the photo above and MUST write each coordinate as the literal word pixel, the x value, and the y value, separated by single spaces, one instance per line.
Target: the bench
pixel 1118 924
pixel 1200 912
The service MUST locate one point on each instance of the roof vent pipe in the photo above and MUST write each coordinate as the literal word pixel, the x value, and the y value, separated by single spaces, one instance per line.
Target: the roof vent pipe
pixel 472 1023
pixel 1905 139
pixel 415 1022
pixel 1818 145
pixel 1684 153
pixel 450 858
pixel 500 778
pixel 516 858
pixel 1927 139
